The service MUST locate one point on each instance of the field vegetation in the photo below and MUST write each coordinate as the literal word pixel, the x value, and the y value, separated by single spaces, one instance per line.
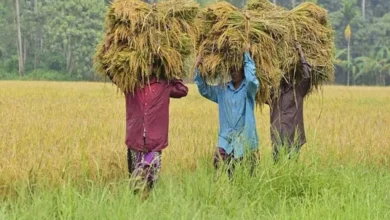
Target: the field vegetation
pixel 63 157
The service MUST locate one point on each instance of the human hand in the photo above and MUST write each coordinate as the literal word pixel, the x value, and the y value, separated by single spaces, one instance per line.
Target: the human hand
pixel 198 61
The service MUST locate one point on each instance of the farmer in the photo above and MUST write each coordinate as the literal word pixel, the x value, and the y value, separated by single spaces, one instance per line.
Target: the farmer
pixel 286 108
pixel 147 120
pixel 236 102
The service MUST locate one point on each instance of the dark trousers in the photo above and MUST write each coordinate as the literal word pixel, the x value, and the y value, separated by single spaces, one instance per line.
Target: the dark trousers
pixel 292 150
pixel 221 158
pixel 131 161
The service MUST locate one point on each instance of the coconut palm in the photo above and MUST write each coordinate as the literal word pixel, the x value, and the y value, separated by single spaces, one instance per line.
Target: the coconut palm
pixel 376 65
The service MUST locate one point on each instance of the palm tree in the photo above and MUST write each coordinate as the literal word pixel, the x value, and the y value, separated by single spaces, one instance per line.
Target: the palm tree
pixel 348 10
pixel 382 57
pixel 376 65
pixel 348 34
pixel 349 13
pixel 349 65
pixel 20 45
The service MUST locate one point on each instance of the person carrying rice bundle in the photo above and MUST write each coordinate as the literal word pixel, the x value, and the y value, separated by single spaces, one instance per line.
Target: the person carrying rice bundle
pixel 286 110
pixel 309 26
pixel 140 64
pixel 285 77
pixel 225 30
pixel 147 123
pixel 236 103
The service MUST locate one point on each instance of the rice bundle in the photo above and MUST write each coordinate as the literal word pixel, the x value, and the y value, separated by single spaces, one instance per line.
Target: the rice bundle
pixel 271 31
pixel 225 32
pixel 312 29
pixel 139 33
pixel 309 25
pixel 263 5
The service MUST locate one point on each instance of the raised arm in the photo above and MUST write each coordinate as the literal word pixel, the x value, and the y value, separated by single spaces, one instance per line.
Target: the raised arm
pixel 304 85
pixel 208 91
pixel 250 74
pixel 178 89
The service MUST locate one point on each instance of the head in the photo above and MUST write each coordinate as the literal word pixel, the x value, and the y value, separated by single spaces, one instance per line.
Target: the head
pixel 156 68
pixel 155 65
pixel 237 74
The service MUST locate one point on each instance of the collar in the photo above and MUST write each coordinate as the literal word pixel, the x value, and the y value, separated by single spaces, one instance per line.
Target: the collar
pixel 230 85
pixel 153 80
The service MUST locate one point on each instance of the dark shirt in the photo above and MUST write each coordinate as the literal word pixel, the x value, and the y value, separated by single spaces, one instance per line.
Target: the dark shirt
pixel 287 111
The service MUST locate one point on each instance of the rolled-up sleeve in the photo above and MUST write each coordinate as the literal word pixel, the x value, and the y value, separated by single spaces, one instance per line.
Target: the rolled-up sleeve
pixel 305 83
pixel 250 75
pixel 208 91
pixel 178 89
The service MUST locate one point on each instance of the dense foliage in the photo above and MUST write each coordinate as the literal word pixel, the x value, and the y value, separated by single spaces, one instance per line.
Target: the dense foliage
pixel 56 37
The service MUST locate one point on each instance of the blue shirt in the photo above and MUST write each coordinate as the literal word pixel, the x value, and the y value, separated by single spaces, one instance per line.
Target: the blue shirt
pixel 237 124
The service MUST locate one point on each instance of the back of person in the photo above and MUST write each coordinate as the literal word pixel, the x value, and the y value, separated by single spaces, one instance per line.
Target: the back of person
pixel 147 124
pixel 286 111
pixel 147 115
pixel 287 116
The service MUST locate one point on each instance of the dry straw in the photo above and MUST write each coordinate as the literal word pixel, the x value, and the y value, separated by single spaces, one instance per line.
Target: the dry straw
pixel 225 32
pixel 271 31
pixel 139 33
pixel 309 25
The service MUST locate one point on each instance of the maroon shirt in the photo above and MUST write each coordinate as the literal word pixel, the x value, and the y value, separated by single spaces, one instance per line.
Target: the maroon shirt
pixel 147 114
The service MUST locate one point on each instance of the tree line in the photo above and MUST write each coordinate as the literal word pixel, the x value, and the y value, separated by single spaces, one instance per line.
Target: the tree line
pixel 56 39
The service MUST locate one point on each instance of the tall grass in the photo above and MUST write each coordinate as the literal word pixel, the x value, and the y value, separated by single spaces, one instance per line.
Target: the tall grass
pixel 63 157
pixel 287 191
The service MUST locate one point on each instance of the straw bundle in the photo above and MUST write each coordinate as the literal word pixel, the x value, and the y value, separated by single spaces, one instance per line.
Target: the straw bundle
pixel 225 32
pixel 140 34
pixel 309 25
pixel 262 5
pixel 312 29
pixel 272 32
